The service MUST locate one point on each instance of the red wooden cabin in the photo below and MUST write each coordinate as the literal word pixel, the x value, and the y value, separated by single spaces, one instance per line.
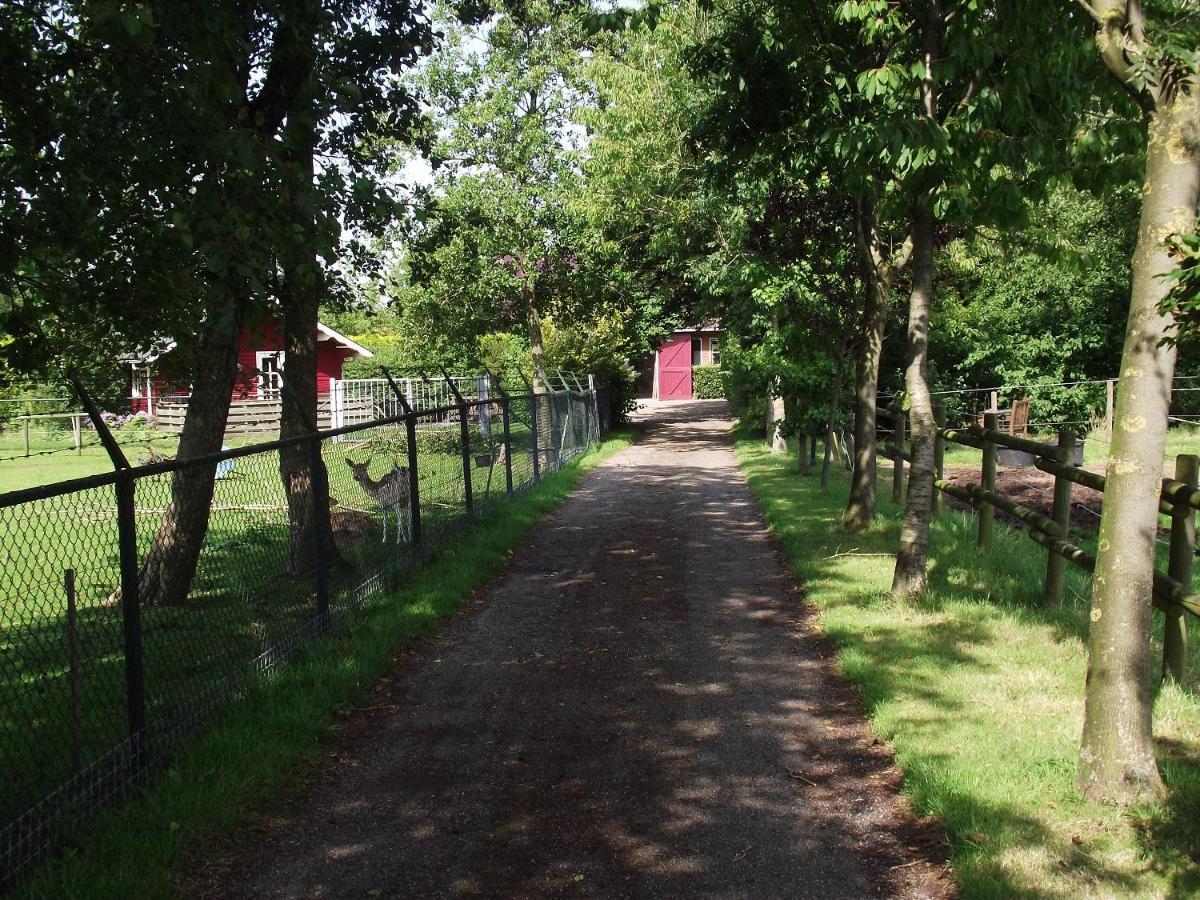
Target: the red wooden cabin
pixel 260 355
pixel 667 375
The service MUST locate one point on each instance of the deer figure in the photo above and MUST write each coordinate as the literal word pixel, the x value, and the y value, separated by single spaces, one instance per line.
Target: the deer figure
pixel 390 492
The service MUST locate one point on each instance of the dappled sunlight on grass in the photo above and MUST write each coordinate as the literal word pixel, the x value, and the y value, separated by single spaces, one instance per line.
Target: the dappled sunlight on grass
pixel 979 690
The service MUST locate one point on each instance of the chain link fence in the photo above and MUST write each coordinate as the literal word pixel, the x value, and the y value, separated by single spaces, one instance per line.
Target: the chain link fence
pixel 137 601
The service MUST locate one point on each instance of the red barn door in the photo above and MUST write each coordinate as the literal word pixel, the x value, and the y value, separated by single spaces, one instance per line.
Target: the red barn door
pixel 675 368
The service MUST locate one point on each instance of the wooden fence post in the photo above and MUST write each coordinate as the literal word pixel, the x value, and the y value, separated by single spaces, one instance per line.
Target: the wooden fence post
pixel 939 452
pixel 987 480
pixel 1056 566
pixel 1179 567
pixel 898 443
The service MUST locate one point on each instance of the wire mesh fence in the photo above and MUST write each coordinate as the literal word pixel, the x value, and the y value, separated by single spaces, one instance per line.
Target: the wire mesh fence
pixel 137 601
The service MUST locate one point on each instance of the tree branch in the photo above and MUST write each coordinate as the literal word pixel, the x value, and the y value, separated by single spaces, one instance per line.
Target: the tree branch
pixel 1087 7
pixel 1119 34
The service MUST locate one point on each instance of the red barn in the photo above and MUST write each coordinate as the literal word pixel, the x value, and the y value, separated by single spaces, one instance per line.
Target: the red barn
pixel 260 356
pixel 667 375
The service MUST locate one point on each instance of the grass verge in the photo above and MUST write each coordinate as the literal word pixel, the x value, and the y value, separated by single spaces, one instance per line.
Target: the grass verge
pixel 267 739
pixel 980 692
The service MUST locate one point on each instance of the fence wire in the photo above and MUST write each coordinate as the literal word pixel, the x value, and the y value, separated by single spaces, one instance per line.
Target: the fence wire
pixel 234 561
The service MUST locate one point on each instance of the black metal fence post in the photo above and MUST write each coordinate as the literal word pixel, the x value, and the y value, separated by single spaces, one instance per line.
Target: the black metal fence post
pixel 464 428
pixel 319 488
pixel 507 422
pixel 131 603
pixel 410 439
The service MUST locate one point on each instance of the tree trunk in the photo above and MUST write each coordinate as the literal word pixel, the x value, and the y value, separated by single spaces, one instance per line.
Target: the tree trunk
pixel 877 282
pixel 834 401
pixel 1116 756
pixel 533 326
pixel 303 285
pixel 300 343
pixel 803 465
pixel 777 416
pixel 908 581
pixel 170 564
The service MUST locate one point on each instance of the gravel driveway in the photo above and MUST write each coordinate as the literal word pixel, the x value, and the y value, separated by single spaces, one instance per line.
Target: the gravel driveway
pixel 639 707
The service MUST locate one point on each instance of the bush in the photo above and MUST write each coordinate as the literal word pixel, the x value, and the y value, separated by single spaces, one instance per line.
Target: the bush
pixel 746 381
pixel 708 383
pixel 602 348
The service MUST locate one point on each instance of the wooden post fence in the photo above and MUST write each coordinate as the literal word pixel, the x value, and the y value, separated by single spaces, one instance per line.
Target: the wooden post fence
pixel 1179 498
pixel 1056 565
pixel 987 481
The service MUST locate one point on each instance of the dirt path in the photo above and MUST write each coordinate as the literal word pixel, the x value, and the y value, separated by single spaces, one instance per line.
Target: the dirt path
pixel 638 708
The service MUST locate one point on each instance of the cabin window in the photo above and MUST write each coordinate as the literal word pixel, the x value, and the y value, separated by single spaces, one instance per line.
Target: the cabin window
pixel 697 344
pixel 270 364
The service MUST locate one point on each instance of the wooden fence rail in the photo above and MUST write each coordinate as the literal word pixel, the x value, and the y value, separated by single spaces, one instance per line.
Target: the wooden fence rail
pixel 1179 499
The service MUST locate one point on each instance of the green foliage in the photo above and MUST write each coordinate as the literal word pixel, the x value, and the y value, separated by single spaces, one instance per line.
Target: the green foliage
pixel 149 183
pixel 708 383
pixel 404 355
pixel 746 382
pixel 1183 300
pixel 1045 303
pixel 507 356
pixel 602 348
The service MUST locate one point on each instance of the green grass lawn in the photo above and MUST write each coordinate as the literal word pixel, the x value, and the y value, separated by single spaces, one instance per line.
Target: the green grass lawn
pixel 273 733
pixel 979 691
pixel 57 717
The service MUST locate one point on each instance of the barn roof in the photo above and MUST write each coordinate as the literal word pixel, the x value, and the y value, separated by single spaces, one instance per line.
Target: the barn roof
pixel 324 333
pixel 327 333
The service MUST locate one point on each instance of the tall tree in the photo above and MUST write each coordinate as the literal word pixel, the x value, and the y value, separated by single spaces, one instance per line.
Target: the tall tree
pixel 506 93
pixel 354 111
pixel 1152 51
pixel 969 107
pixel 168 132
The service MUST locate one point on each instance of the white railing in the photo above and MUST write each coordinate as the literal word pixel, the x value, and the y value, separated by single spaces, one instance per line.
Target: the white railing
pixel 355 400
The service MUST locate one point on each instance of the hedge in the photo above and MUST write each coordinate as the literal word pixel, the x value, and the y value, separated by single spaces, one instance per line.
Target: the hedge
pixel 708 383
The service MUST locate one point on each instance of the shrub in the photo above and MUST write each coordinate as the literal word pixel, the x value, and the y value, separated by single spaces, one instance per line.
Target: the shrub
pixel 602 348
pixel 708 383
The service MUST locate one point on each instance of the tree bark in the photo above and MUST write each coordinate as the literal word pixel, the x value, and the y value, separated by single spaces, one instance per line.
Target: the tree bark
pixel 802 461
pixel 835 400
pixel 776 409
pixel 533 329
pixel 303 286
pixel 879 271
pixel 777 417
pixel 170 564
pixel 908 580
pixel 300 348
pixel 1116 757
